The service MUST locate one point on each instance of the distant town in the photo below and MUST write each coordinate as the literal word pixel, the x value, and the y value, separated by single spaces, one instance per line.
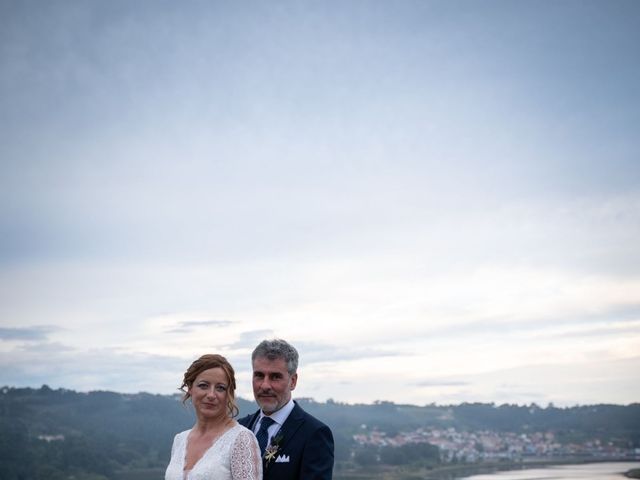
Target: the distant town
pixel 463 446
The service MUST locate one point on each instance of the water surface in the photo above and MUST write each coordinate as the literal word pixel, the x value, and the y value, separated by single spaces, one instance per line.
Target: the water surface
pixel 586 471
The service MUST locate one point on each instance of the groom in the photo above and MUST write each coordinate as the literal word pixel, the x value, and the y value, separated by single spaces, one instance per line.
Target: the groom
pixel 294 444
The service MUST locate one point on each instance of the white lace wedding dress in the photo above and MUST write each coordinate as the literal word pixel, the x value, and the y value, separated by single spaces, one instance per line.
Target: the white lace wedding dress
pixel 235 455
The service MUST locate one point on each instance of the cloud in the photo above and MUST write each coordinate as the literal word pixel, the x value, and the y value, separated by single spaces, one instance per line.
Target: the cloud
pixel 251 339
pixel 190 326
pixel 28 334
pixel 58 365
pixel 51 349
pixel 441 383
pixel 377 236
pixel 610 318
pixel 313 353
pixel 589 381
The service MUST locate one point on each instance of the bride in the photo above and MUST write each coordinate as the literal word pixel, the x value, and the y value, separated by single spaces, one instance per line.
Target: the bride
pixel 216 447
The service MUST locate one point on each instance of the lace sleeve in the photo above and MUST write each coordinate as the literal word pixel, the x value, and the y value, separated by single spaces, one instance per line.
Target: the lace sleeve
pixel 246 463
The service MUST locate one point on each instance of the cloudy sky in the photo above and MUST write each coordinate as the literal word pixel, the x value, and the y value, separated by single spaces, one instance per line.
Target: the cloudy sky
pixel 435 201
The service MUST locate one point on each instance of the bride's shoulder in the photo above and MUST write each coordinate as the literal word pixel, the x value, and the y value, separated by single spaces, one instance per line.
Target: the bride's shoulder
pixel 243 432
pixel 182 435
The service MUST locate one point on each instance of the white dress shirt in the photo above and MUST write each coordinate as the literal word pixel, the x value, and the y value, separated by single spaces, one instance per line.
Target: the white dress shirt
pixel 278 417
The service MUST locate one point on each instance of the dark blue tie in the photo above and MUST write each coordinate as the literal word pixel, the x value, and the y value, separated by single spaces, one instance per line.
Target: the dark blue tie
pixel 262 434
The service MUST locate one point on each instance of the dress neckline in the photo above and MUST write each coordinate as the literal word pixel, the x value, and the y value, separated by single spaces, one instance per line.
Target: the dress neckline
pixel 204 454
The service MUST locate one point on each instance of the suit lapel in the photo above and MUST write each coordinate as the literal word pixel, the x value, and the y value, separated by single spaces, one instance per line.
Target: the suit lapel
pixel 283 437
pixel 291 425
pixel 252 421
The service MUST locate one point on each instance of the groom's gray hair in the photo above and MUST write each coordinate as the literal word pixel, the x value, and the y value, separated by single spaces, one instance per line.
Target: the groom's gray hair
pixel 277 348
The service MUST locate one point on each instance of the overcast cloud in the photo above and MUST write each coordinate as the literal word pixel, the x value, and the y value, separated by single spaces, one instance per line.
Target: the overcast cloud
pixel 434 201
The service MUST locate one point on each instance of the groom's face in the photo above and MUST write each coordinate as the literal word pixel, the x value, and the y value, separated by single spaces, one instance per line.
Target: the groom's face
pixel 272 384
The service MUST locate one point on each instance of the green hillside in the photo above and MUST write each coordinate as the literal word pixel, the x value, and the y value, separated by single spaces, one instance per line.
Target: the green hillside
pixel 55 434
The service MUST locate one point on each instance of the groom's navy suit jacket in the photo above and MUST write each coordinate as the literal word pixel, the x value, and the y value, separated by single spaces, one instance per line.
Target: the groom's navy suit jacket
pixel 305 449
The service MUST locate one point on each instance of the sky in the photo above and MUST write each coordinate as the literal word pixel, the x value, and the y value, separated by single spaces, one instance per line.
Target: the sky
pixel 434 201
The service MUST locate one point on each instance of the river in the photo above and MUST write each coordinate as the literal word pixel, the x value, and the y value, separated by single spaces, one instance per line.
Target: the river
pixel 585 471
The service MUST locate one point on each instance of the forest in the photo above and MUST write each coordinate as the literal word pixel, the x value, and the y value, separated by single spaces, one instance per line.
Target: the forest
pixel 48 434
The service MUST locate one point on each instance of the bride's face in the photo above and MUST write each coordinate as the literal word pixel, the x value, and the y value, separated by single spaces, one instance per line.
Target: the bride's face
pixel 210 393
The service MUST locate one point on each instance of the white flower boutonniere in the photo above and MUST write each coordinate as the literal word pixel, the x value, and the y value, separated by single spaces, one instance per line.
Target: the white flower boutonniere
pixel 271 451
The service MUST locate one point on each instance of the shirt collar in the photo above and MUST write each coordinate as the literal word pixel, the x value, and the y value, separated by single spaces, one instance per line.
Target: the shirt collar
pixel 280 416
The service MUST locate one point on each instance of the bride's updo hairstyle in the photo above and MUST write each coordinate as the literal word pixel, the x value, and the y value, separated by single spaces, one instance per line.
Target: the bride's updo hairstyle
pixel 205 362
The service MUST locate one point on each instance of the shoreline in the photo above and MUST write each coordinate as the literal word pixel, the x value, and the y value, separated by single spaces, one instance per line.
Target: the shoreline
pixel 459 471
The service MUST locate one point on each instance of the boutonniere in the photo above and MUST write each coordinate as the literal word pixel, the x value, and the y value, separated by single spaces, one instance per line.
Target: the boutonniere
pixel 272 449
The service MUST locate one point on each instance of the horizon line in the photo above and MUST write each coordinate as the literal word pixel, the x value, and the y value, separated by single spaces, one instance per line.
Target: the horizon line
pixel 551 405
